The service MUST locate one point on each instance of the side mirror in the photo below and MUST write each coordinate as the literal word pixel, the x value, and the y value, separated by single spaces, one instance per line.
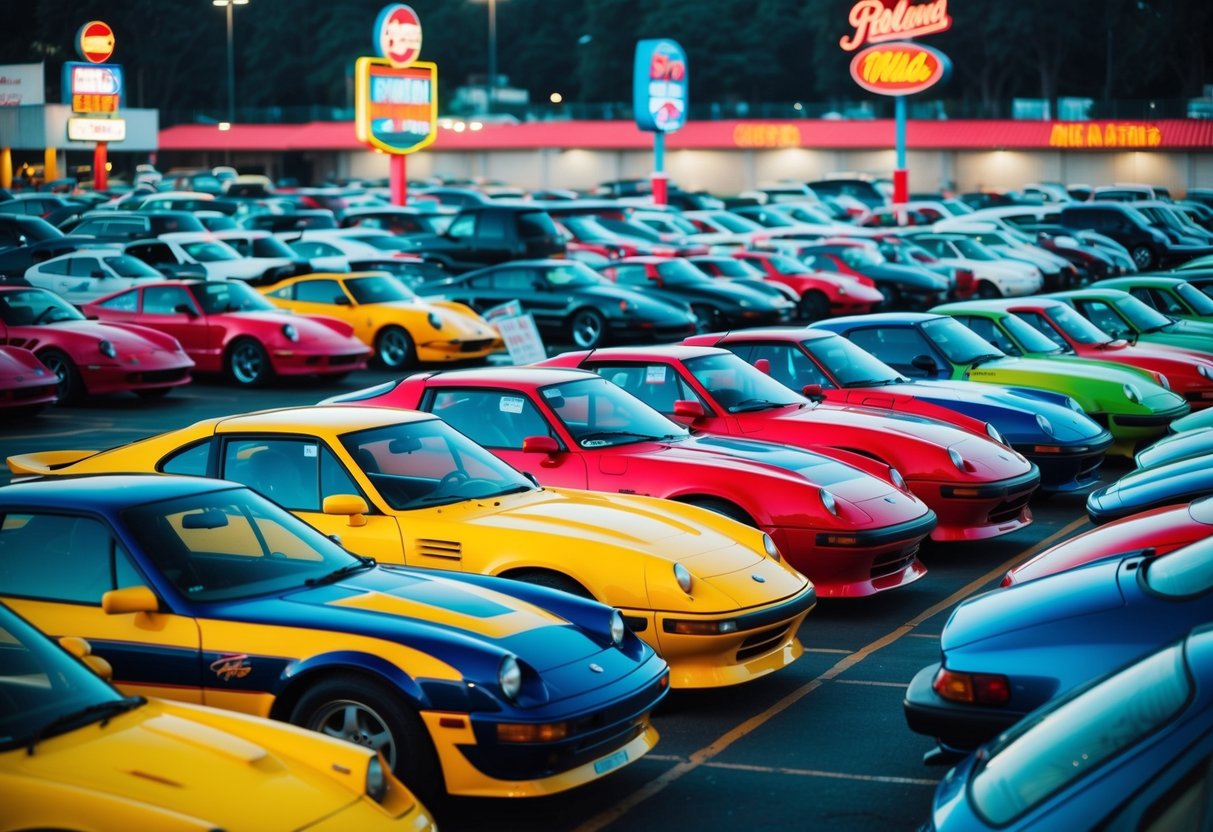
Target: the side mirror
pixel 925 363
pixel 341 300
pixel 185 309
pixel 83 651
pixel 351 505
pixel 130 599
pixel 763 365
pixel 813 392
pixel 687 409
pixel 98 274
pixel 540 445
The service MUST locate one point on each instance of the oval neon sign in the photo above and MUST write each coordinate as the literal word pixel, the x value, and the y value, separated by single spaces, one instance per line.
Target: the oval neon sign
pixel 899 68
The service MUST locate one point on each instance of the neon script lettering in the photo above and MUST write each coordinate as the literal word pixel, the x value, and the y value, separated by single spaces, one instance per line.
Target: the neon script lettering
pixel 875 22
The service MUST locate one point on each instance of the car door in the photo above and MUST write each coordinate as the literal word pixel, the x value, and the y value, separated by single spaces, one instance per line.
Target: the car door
pixel 321 296
pixel 54 569
pixel 84 280
pixel 172 309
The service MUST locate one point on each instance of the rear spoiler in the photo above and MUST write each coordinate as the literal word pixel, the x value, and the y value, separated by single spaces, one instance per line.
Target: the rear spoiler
pixel 43 463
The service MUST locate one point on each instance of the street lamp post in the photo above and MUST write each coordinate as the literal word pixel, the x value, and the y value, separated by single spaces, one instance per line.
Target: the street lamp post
pixel 492 55
pixel 231 58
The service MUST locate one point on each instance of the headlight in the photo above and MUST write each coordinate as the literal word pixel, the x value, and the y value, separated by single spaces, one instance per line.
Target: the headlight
pixel 683 577
pixel 956 458
pixel 376 782
pixel 107 349
pixel 1163 381
pixel 1045 424
pixel 617 628
pixel 509 676
pixel 743 303
pixel 435 321
pixel 1204 370
pixel 1132 393
pixel 1075 406
pixel 290 332
pixel 842 290
pixel 897 478
pixel 770 546
pixel 827 500
pixel 993 433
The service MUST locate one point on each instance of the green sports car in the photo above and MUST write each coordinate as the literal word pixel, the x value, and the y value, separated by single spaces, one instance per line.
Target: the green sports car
pixel 1121 315
pixel 1173 296
pixel 931 346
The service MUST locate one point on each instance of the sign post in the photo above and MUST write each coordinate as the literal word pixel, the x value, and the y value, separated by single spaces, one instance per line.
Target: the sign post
pixel 94 89
pixel 892 64
pixel 659 99
pixel 395 95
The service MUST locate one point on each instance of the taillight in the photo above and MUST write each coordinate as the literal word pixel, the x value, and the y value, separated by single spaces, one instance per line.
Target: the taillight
pixel 972 688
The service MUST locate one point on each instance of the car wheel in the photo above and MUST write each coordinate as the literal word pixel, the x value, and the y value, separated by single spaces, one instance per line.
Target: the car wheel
pixel 368 713
pixel 987 290
pixel 587 329
pixel 892 298
pixel 710 319
pixel 394 349
pixel 813 306
pixel 1143 257
pixel 552 580
pixel 71 386
pixel 248 364
pixel 729 510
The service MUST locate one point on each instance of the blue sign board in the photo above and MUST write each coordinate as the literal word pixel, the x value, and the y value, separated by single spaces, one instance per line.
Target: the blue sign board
pixel 660 85
pixel 92 88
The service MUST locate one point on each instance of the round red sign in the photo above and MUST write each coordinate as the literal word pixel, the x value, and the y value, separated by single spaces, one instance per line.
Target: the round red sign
pixel 398 34
pixel 901 68
pixel 95 42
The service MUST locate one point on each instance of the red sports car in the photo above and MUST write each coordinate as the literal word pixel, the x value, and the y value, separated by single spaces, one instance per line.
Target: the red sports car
pixel 227 327
pixel 26 384
pixel 852 528
pixel 977 487
pixel 90 357
pixel 1162 529
pixel 821 293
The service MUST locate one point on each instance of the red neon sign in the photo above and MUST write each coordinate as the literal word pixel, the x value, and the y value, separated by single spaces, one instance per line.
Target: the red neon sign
pixel 899 68
pixel 876 22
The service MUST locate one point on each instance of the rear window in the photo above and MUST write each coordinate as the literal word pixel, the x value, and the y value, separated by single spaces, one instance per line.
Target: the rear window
pixel 533 224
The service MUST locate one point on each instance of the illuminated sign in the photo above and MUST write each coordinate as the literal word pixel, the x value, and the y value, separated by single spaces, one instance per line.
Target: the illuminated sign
pixel 398 35
pixel 395 108
pixel 92 88
pixel 1105 134
pixel 95 42
pixel 659 85
pixel 96 129
pixel 899 68
pixel 875 21
pixel 766 135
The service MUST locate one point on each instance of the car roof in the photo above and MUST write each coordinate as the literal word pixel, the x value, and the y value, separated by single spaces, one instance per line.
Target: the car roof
pixel 105 491
pixel 678 352
pixel 523 376
pixel 337 418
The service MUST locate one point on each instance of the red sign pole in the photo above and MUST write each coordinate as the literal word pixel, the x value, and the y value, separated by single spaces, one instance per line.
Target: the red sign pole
pixel 100 174
pixel 398 182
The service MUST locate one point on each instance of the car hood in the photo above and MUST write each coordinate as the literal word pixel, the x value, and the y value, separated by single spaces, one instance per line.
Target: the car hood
pixel 123 339
pixel 308 329
pixel 909 275
pixel 1176 447
pixel 455 324
pixel 1173 482
pixel 161 754
pixel 1077 378
pixel 1013 412
pixel 1000 613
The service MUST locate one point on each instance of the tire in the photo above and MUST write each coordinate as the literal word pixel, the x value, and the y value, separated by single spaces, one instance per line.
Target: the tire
pixel 367 712
pixel 729 510
pixel 987 290
pixel 813 306
pixel 892 299
pixel 552 580
pixel 710 319
pixel 248 364
pixel 71 386
pixel 394 348
pixel 1143 257
pixel 587 329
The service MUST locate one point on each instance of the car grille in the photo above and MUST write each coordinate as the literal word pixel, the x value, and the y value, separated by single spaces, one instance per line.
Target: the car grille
pixel 342 360
pixel 894 562
pixel 763 641
pixel 475 346
pixel 23 393
pixel 1009 509
pixel 157 376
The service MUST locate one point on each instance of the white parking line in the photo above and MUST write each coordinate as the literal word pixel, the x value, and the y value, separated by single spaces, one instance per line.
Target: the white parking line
pixel 870 684
pixel 836 775
pixel 704 755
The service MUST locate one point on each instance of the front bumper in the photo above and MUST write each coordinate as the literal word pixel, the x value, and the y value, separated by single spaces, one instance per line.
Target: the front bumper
pixel 289 362
pixel 980 510
pixel 1068 468
pixel 151 371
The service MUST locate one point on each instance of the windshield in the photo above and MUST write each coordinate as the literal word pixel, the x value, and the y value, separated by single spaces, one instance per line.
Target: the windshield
pixel 1143 317
pixel 271 247
pixel 1183 573
pixel 973 249
pixel 587 229
pixel 598 413
pixel 960 344
pixel 210 252
pixel 788 265
pixel 730 267
pixel 680 272
pixel 1029 338
pixel 806 214
pixel 27 307
pixel 378 289
pixel 573 273
pixel 216 297
pixel 1077 327
pixel 739 387
pixel 1196 300
pixel 233 543
pixel 124 265
pixel 629 228
pixel 850 364
pixel 1067 740
pixel 733 222
pixel 860 256
pixel 681 223
pixel 41 684
pixel 429 463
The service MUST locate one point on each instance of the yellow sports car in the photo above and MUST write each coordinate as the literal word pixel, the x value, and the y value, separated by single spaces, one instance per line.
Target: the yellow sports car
pixel 402 328
pixel 708 593
pixel 77 754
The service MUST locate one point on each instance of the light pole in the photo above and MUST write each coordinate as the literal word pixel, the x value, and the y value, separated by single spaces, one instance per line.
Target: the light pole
pixel 490 87
pixel 231 58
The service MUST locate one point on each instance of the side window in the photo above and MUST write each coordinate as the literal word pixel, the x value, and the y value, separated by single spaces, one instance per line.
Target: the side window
pixel 626 275
pixel 896 347
pixel 462 227
pixel 125 302
pixel 189 461
pixel 61 558
pixel 164 300
pixel 334 479
pixel 492 226
pixel 285 470
pixel 319 291
pixel 515 280
pixel 657 385
pixel 492 418
pixel 788 365
pixel 1104 317
pixel 83 266
pixel 989 330
pixel 57 266
pixel 1165 302
pixel 1041 325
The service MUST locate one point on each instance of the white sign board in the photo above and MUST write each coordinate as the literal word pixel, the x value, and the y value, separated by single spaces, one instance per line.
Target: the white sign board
pixel 96 129
pixel 21 85
pixel 521 338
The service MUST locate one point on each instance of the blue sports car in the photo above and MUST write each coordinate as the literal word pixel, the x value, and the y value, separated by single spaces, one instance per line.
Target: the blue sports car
pixel 1127 752
pixel 1163 483
pixel 1006 652
pixel 204 591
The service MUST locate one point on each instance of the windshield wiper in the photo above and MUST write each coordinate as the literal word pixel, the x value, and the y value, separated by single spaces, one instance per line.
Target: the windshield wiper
pixel 349 569
pixel 97 712
pixel 870 382
pixel 752 405
pixel 977 361
pixel 612 434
